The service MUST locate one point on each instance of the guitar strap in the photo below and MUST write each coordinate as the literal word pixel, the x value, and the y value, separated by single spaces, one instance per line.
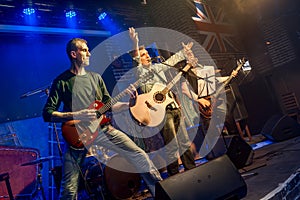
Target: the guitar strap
pixel 172 94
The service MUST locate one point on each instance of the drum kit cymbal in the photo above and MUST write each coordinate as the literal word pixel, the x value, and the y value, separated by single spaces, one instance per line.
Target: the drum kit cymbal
pixel 39 160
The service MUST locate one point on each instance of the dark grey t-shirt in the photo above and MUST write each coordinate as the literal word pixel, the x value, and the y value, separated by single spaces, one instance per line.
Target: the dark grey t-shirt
pixel 75 92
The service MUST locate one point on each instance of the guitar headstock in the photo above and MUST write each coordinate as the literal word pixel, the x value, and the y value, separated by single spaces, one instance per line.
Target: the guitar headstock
pixel 243 64
pixel 241 61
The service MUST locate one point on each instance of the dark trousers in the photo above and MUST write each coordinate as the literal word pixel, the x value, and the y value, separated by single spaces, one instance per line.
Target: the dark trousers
pixel 176 141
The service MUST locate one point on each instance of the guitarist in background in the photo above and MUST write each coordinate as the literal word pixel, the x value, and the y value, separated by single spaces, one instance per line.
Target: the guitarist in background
pixel 77 88
pixel 204 103
pixel 173 113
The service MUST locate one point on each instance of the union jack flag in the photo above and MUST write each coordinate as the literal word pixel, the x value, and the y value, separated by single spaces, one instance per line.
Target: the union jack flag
pixel 211 23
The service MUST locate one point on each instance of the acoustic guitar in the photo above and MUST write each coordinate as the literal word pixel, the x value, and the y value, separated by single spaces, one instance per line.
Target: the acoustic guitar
pixel 150 108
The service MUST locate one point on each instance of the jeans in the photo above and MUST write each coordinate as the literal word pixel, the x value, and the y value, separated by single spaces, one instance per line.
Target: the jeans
pixel 117 141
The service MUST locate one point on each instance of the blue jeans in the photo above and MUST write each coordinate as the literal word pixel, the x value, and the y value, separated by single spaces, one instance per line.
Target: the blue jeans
pixel 117 141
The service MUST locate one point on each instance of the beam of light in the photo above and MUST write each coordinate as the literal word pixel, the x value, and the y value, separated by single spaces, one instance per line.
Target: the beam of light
pixel 30 17
pixel 108 23
pixel 71 20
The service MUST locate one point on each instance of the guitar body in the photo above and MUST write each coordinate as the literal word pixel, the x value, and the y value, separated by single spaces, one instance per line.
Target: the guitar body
pixel 150 108
pixel 206 112
pixel 78 133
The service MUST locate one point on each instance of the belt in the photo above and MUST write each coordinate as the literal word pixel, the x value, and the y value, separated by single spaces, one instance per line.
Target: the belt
pixel 172 106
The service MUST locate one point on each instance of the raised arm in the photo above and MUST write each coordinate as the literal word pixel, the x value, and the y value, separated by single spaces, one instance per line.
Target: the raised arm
pixel 135 39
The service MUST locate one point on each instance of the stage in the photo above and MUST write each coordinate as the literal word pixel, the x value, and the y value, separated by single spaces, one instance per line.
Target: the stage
pixel 275 169
pixel 274 172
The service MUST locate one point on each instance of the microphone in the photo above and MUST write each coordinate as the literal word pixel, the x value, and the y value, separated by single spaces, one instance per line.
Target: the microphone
pixel 199 65
pixel 157 59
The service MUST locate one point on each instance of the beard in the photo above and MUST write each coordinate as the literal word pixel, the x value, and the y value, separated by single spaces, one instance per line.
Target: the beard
pixel 85 63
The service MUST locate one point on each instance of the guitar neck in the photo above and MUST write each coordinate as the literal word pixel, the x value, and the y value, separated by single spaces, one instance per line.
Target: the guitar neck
pixel 114 100
pixel 175 79
pixel 219 90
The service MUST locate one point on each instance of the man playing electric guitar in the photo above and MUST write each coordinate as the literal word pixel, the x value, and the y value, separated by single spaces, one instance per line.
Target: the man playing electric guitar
pixel 171 112
pixel 76 88
pixel 207 104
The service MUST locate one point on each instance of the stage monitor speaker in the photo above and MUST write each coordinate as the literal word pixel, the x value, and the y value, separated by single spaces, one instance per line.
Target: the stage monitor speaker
pixel 23 179
pixel 281 127
pixel 216 179
pixel 239 151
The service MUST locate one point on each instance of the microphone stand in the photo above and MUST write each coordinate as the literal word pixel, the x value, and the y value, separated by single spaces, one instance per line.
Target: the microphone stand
pixel 36 91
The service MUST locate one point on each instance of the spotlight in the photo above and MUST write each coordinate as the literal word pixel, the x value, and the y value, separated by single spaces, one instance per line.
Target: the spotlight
pixel 144 2
pixel 28 11
pixel 102 16
pixel 70 14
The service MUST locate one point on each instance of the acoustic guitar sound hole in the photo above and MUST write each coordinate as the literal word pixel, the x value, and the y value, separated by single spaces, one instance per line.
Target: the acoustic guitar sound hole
pixel 159 97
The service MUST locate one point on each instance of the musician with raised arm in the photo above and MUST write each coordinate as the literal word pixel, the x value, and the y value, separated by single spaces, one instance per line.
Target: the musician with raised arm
pixel 78 89
pixel 172 113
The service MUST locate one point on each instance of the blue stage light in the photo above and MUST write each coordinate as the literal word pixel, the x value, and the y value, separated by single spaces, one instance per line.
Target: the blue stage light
pixel 28 11
pixel 102 16
pixel 70 14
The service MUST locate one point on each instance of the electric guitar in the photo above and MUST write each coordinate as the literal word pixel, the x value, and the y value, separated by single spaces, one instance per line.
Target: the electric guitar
pixel 206 112
pixel 149 108
pixel 78 133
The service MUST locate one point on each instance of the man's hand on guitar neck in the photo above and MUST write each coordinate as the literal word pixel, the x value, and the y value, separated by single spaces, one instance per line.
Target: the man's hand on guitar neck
pixel 234 73
pixel 223 79
pixel 121 106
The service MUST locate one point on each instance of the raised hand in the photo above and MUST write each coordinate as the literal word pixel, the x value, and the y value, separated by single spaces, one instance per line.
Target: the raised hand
pixel 133 35
pixel 189 55
pixel 187 47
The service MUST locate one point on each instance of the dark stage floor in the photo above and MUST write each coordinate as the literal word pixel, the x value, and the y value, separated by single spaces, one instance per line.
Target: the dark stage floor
pixel 275 165
pixel 275 171
pixel 272 166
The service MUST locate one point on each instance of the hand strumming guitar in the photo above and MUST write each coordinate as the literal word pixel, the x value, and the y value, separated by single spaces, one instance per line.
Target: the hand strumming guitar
pixel 85 114
pixel 133 95
pixel 203 102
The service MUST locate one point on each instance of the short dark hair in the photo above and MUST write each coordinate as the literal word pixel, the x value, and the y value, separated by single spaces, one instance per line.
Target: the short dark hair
pixel 73 46
pixel 142 47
